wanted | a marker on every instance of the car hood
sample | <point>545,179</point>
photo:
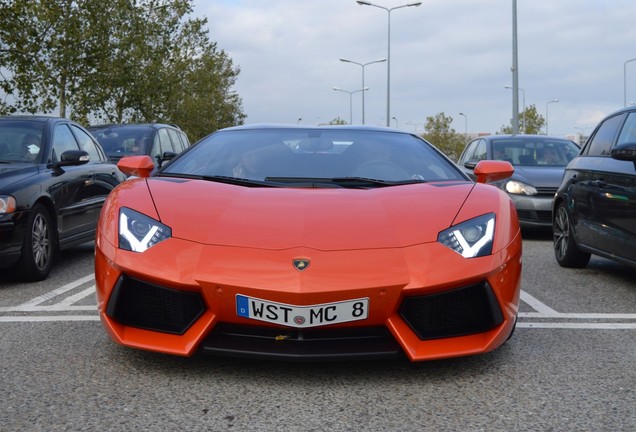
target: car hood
<point>324,219</point>
<point>539,176</point>
<point>13,173</point>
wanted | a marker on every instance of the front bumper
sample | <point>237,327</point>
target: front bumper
<point>533,211</point>
<point>407,288</point>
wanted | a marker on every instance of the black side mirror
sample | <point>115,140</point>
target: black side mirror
<point>625,152</point>
<point>168,155</point>
<point>71,158</point>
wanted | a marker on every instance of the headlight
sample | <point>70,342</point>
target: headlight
<point>138,232</point>
<point>472,238</point>
<point>7,204</point>
<point>519,188</point>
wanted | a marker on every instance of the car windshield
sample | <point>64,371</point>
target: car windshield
<point>120,141</point>
<point>539,151</point>
<point>319,157</point>
<point>20,141</point>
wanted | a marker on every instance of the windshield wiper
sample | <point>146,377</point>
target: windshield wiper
<point>349,182</point>
<point>221,179</point>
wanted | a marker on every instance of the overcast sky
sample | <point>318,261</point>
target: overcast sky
<point>447,56</point>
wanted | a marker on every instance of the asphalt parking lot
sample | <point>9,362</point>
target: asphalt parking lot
<point>569,366</point>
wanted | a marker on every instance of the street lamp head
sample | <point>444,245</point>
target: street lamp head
<point>412,4</point>
<point>382,60</point>
<point>336,88</point>
<point>363,3</point>
<point>345,60</point>
<point>507,86</point>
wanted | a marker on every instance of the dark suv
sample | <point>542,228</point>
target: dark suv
<point>594,210</point>
<point>160,141</point>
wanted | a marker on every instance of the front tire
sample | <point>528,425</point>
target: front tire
<point>39,246</point>
<point>565,249</point>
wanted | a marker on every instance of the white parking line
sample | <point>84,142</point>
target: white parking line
<point>47,309</point>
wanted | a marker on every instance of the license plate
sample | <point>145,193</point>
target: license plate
<point>302,316</point>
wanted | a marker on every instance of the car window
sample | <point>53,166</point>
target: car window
<point>311,154</point>
<point>165,141</point>
<point>63,140</point>
<point>468,151</point>
<point>20,141</point>
<point>628,133</point>
<point>601,142</point>
<point>481,151</point>
<point>87,144</point>
<point>176,140</point>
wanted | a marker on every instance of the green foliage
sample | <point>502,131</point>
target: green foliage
<point>338,121</point>
<point>116,61</point>
<point>440,133</point>
<point>530,122</point>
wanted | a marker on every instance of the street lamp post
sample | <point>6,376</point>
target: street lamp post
<point>363,65</point>
<point>625,81</point>
<point>546,113</point>
<point>465,126</point>
<point>523,114</point>
<point>388,56</point>
<point>351,99</point>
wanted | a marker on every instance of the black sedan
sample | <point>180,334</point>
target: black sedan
<point>54,178</point>
<point>539,162</point>
<point>595,206</point>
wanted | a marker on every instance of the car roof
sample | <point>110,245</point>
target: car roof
<point>127,125</point>
<point>26,117</point>
<point>263,126</point>
<point>528,137</point>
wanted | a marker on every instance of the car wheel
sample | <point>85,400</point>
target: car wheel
<point>39,246</point>
<point>565,250</point>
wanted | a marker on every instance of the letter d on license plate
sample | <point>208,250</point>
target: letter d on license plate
<point>302,316</point>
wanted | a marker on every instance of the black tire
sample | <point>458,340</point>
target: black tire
<point>38,249</point>
<point>565,249</point>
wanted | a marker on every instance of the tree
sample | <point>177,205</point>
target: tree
<point>338,121</point>
<point>116,61</point>
<point>440,133</point>
<point>531,122</point>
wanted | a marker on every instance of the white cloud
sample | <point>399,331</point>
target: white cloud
<point>446,56</point>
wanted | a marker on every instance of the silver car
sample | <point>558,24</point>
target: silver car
<point>539,162</point>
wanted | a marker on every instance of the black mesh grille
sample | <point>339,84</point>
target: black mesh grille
<point>354,343</point>
<point>139,304</point>
<point>534,215</point>
<point>469,310</point>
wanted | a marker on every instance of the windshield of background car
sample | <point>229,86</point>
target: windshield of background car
<point>120,141</point>
<point>289,154</point>
<point>526,152</point>
<point>20,141</point>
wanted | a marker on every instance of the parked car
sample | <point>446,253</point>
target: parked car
<point>539,162</point>
<point>54,178</point>
<point>160,141</point>
<point>595,206</point>
<point>309,243</point>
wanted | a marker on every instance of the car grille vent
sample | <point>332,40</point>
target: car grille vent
<point>546,191</point>
<point>469,310</point>
<point>139,304</point>
<point>290,344</point>
<point>535,215</point>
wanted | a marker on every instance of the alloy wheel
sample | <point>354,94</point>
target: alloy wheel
<point>41,242</point>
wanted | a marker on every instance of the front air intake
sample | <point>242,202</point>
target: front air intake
<point>151,307</point>
<point>459,312</point>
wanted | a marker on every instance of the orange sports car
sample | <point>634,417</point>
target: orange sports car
<point>309,243</point>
